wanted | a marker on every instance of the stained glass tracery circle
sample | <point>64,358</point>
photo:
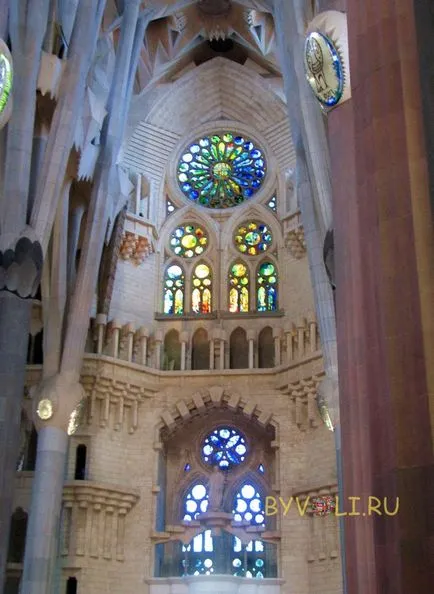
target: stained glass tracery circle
<point>188,241</point>
<point>253,238</point>
<point>224,447</point>
<point>221,171</point>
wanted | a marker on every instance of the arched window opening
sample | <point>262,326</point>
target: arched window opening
<point>239,349</point>
<point>195,502</point>
<point>239,288</point>
<point>172,351</point>
<point>174,286</point>
<point>71,585</point>
<point>266,348</point>
<point>249,506</point>
<point>80,462</point>
<point>266,287</point>
<point>17,536</point>
<point>200,350</point>
<point>201,295</point>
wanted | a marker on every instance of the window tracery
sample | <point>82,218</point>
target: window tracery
<point>187,241</point>
<point>266,287</point>
<point>253,238</point>
<point>201,296</point>
<point>225,447</point>
<point>174,286</point>
<point>239,288</point>
<point>221,171</point>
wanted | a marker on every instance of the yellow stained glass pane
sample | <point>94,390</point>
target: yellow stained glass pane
<point>239,270</point>
<point>202,271</point>
<point>189,241</point>
<point>244,299</point>
<point>206,301</point>
<point>195,300</point>
<point>233,300</point>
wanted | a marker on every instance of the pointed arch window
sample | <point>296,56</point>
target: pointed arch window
<point>201,296</point>
<point>239,288</point>
<point>174,286</point>
<point>266,287</point>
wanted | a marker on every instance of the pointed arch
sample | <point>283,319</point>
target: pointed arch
<point>266,348</point>
<point>172,351</point>
<point>239,287</point>
<point>200,351</point>
<point>174,288</point>
<point>267,283</point>
<point>239,349</point>
<point>201,288</point>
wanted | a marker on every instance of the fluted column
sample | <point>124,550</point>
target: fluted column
<point>277,336</point>
<point>251,340</point>
<point>158,340</point>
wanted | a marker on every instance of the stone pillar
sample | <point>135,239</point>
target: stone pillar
<point>158,338</point>
<point>44,520</point>
<point>183,337</point>
<point>289,344</point>
<point>101,323</point>
<point>277,335</point>
<point>129,331</point>
<point>143,336</point>
<point>384,295</point>
<point>211,354</point>
<point>300,339</point>
<point>251,340</point>
<point>74,226</point>
<point>115,327</point>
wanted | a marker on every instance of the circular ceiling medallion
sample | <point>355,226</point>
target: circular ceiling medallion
<point>6,81</point>
<point>324,69</point>
<point>45,409</point>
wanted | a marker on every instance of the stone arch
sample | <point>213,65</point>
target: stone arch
<point>172,351</point>
<point>239,349</point>
<point>200,349</point>
<point>266,348</point>
<point>17,536</point>
<point>204,400</point>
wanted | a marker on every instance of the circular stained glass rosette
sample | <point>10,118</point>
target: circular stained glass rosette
<point>188,241</point>
<point>324,70</point>
<point>224,447</point>
<point>221,171</point>
<point>253,238</point>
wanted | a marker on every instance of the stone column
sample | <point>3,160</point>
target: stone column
<point>101,323</point>
<point>44,524</point>
<point>251,340</point>
<point>74,226</point>
<point>313,171</point>
<point>183,337</point>
<point>158,339</point>
<point>211,353</point>
<point>143,336</point>
<point>289,344</point>
<point>384,296</point>
<point>277,336</point>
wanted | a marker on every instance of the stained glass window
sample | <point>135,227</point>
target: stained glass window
<point>174,290</point>
<point>188,241</point>
<point>239,288</point>
<point>199,555</point>
<point>250,560</point>
<point>225,447</point>
<point>266,287</point>
<point>272,204</point>
<point>202,287</point>
<point>253,238</point>
<point>221,171</point>
<point>170,207</point>
<point>249,506</point>
<point>195,502</point>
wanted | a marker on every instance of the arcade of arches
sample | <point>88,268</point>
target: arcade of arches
<point>216,289</point>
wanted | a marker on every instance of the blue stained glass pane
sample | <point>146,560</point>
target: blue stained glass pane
<point>228,448</point>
